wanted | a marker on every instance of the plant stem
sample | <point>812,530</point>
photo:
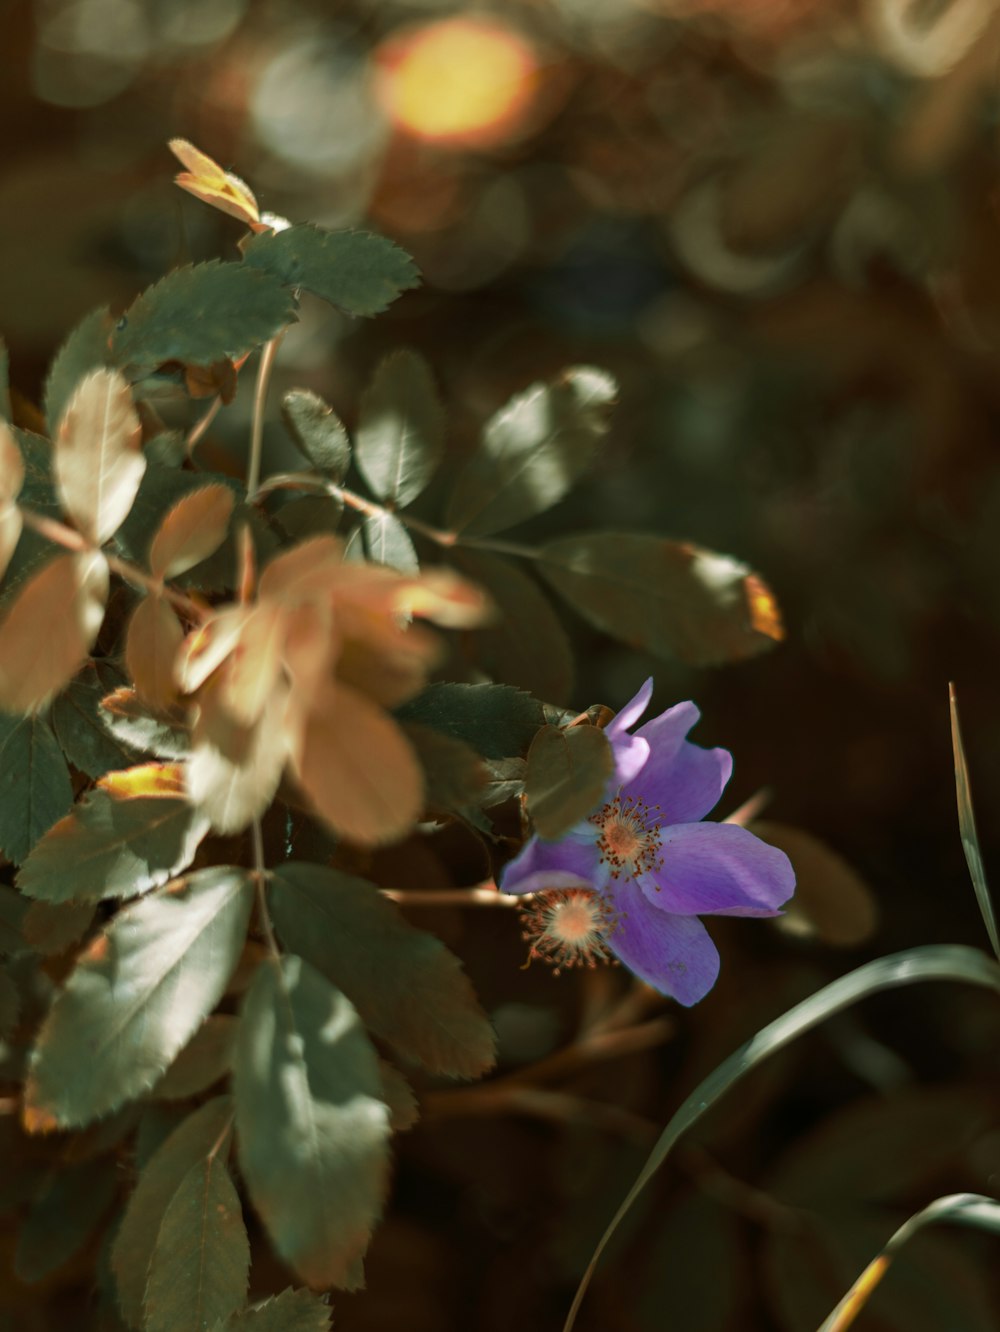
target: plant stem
<point>267,359</point>
<point>464,897</point>
<point>198,429</point>
<point>260,879</point>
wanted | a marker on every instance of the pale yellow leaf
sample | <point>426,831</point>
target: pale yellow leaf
<point>447,599</point>
<point>191,531</point>
<point>154,638</point>
<point>252,670</point>
<point>208,646</point>
<point>234,771</point>
<point>97,459</point>
<point>47,633</point>
<point>207,181</point>
<point>11,465</point>
<point>358,769</point>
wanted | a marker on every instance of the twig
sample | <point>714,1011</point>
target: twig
<point>267,359</point>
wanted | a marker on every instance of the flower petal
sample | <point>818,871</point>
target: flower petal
<point>719,869</point>
<point>631,753</point>
<point>631,712</point>
<point>685,782</point>
<point>674,954</point>
<point>568,863</point>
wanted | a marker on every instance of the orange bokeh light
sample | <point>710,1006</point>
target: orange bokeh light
<point>464,81</point>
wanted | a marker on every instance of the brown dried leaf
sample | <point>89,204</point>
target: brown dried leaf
<point>192,530</point>
<point>234,770</point>
<point>98,461</point>
<point>151,646</point>
<point>358,769</point>
<point>47,634</point>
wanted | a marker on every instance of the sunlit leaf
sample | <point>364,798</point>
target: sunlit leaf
<point>358,769</point>
<point>203,1061</point>
<point>567,773</point>
<point>131,722</point>
<point>11,480</point>
<point>152,642</point>
<point>192,530</point>
<point>357,271</point>
<point>35,787</point>
<point>233,771</point>
<point>77,720</point>
<point>62,1218</point>
<point>312,1129</point>
<point>113,847</point>
<point>532,451</point>
<point>946,962</point>
<point>201,1133</point>
<point>388,542</point>
<point>291,1311</point>
<point>665,597</point>
<point>967,828</point>
<point>200,314</point>
<point>98,461</point>
<point>47,633</point>
<point>136,997</point>
<point>409,989</point>
<point>498,721</point>
<point>318,431</point>
<point>52,927</point>
<point>200,1266</point>
<point>400,434</point>
<point>831,901</point>
<point>527,646</point>
<point>85,349</point>
<point>206,180</point>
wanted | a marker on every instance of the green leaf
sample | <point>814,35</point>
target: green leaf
<point>84,350</point>
<point>50,928</point>
<point>63,1217</point>
<point>192,1142</point>
<point>946,962</point>
<point>35,788</point>
<point>527,646</point>
<point>454,773</point>
<point>357,271</point>
<point>498,721</point>
<point>967,828</point>
<point>318,431</point>
<point>291,1311</point>
<point>308,516</point>
<point>409,989</point>
<point>113,846</point>
<point>666,597</point>
<point>400,436</point>
<point>136,997</point>
<point>312,1129</point>
<point>567,774</point>
<point>388,542</point>
<point>130,722</point>
<point>532,451</point>
<point>201,314</point>
<point>200,1267</point>
<point>78,722</point>
<point>12,909</point>
<point>204,1060</point>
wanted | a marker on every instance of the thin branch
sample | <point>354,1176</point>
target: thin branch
<point>267,359</point>
<point>260,879</point>
<point>487,896</point>
<point>200,426</point>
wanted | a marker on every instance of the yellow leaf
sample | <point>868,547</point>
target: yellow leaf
<point>154,638</point>
<point>97,459</point>
<point>192,530</point>
<point>48,631</point>
<point>207,181</point>
<point>358,769</point>
<point>208,646</point>
<point>148,779</point>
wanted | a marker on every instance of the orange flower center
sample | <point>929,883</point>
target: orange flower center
<point>628,836</point>
<point>568,927</point>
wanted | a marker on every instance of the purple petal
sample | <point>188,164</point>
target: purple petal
<point>672,953</point>
<point>631,753</point>
<point>569,863</point>
<point>685,781</point>
<point>631,712</point>
<point>719,869</point>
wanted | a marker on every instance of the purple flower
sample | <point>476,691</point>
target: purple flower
<point>634,876</point>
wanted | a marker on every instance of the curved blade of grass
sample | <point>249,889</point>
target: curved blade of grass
<point>937,962</point>
<point>967,827</point>
<point>970,1209</point>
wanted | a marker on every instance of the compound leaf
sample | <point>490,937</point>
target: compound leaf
<point>312,1129</point>
<point>357,271</point>
<point>135,998</point>
<point>409,989</point>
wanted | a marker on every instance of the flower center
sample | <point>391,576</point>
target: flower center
<point>568,927</point>
<point>628,836</point>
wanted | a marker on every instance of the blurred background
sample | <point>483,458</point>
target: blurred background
<point>777,222</point>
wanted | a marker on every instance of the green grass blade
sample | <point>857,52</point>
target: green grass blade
<point>970,1209</point>
<point>938,962</point>
<point>967,827</point>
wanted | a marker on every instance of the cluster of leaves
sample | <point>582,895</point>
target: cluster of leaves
<point>159,694</point>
